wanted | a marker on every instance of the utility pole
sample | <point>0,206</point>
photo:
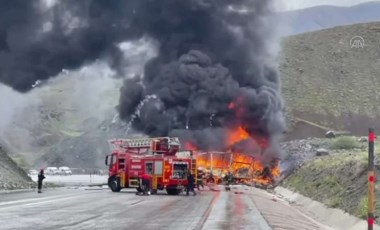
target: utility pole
<point>371,178</point>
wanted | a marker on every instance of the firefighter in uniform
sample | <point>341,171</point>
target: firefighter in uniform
<point>41,177</point>
<point>229,178</point>
<point>145,183</point>
<point>190,184</point>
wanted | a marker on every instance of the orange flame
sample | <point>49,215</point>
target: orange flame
<point>237,135</point>
<point>237,162</point>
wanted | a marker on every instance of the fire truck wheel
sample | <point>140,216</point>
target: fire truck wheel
<point>114,184</point>
<point>173,191</point>
<point>154,191</point>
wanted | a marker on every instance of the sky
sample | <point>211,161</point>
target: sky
<point>299,4</point>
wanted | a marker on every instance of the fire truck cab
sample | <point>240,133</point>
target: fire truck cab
<point>159,157</point>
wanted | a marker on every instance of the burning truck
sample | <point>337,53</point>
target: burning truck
<point>246,167</point>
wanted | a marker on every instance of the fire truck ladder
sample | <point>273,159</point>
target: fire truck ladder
<point>131,143</point>
<point>194,169</point>
<point>140,143</point>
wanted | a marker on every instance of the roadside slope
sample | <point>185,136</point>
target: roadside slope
<point>11,175</point>
<point>339,180</point>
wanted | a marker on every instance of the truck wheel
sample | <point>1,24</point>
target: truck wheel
<point>154,191</point>
<point>114,184</point>
<point>173,191</point>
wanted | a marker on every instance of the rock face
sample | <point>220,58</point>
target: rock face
<point>330,134</point>
<point>11,175</point>
<point>322,152</point>
<point>363,139</point>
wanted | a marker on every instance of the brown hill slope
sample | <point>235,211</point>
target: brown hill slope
<point>330,83</point>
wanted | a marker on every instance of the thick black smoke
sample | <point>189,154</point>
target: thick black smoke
<point>213,70</point>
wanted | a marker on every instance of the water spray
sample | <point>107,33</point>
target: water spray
<point>137,111</point>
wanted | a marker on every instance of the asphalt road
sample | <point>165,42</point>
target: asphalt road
<point>89,208</point>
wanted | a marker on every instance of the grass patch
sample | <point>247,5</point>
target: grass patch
<point>338,180</point>
<point>22,162</point>
<point>335,202</point>
<point>363,207</point>
<point>345,142</point>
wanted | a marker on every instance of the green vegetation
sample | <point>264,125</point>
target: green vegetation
<point>22,162</point>
<point>345,142</point>
<point>338,180</point>
<point>363,208</point>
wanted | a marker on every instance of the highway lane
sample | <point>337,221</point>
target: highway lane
<point>101,209</point>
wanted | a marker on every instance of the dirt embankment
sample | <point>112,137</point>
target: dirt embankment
<point>337,177</point>
<point>11,175</point>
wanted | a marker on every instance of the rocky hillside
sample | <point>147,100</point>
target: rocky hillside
<point>12,176</point>
<point>67,122</point>
<point>335,173</point>
<point>329,84</point>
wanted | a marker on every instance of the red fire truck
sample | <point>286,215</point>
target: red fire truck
<point>160,157</point>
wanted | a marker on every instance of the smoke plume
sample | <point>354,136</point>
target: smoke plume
<point>214,71</point>
<point>214,67</point>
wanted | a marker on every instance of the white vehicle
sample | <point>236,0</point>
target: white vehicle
<point>51,171</point>
<point>33,172</point>
<point>65,171</point>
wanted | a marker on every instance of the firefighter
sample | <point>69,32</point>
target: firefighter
<point>190,184</point>
<point>200,179</point>
<point>145,181</point>
<point>210,178</point>
<point>229,178</point>
<point>41,177</point>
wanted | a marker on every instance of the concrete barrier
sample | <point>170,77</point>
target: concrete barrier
<point>331,217</point>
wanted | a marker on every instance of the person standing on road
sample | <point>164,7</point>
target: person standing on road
<point>41,177</point>
<point>190,184</point>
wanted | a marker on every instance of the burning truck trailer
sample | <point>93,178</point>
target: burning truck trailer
<point>243,157</point>
<point>159,157</point>
<point>245,168</point>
